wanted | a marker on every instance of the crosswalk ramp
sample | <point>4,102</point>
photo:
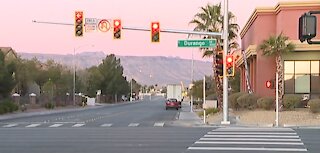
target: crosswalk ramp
<point>77,125</point>
<point>250,140</point>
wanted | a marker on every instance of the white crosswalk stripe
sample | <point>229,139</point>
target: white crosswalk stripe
<point>106,125</point>
<point>133,124</point>
<point>9,125</point>
<point>78,125</point>
<point>250,140</point>
<point>55,125</point>
<point>159,124</point>
<point>32,125</point>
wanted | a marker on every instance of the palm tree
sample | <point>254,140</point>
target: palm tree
<point>277,46</point>
<point>210,19</point>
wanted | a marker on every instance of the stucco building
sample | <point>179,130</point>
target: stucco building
<point>301,67</point>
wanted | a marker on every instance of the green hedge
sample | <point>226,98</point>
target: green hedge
<point>314,105</point>
<point>291,101</point>
<point>7,106</point>
<point>266,103</point>
<point>233,103</point>
<point>247,101</point>
<point>49,106</point>
<point>209,111</point>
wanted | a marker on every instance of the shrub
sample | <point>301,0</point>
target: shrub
<point>247,101</point>
<point>314,105</point>
<point>209,111</point>
<point>7,106</point>
<point>265,103</point>
<point>49,106</point>
<point>291,101</point>
<point>233,100</point>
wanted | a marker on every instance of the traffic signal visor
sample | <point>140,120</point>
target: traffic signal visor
<point>117,29</point>
<point>155,32</point>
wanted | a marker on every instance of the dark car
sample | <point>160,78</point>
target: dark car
<point>172,103</point>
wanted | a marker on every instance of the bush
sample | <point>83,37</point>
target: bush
<point>247,101</point>
<point>7,106</point>
<point>209,111</point>
<point>233,100</point>
<point>49,106</point>
<point>266,103</point>
<point>314,105</point>
<point>291,101</point>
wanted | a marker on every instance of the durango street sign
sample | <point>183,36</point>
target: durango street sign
<point>198,43</point>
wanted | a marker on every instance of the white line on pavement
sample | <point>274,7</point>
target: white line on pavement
<point>252,129</point>
<point>248,139</point>
<point>9,125</point>
<point>251,143</point>
<point>133,124</point>
<point>249,149</point>
<point>78,125</point>
<point>55,125</point>
<point>251,136</point>
<point>106,125</point>
<point>159,124</point>
<point>32,125</point>
<point>266,133</point>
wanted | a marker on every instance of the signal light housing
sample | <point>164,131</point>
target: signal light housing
<point>229,65</point>
<point>219,64</point>
<point>155,32</point>
<point>78,24</point>
<point>117,29</point>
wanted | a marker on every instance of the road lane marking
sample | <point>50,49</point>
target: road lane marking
<point>251,143</point>
<point>249,149</point>
<point>9,125</point>
<point>253,129</point>
<point>133,124</point>
<point>249,139</point>
<point>78,125</point>
<point>106,125</point>
<point>250,133</point>
<point>32,125</point>
<point>251,136</point>
<point>55,125</point>
<point>159,124</point>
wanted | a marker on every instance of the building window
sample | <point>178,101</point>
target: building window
<point>302,77</point>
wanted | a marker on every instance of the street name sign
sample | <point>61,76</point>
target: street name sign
<point>197,43</point>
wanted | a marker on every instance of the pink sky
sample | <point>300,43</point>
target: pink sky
<point>18,31</point>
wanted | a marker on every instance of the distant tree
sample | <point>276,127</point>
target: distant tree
<point>235,82</point>
<point>7,76</point>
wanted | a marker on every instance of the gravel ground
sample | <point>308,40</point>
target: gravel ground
<point>298,117</point>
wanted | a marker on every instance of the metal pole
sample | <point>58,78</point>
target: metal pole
<point>225,51</point>
<point>204,99</point>
<point>277,101</point>
<point>191,105</point>
<point>74,77</point>
<point>131,90</point>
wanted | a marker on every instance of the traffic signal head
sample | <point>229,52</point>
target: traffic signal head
<point>307,27</point>
<point>155,32</point>
<point>117,29</point>
<point>219,64</point>
<point>78,25</point>
<point>229,65</point>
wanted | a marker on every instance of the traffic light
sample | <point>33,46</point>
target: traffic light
<point>155,32</point>
<point>230,65</point>
<point>117,29</point>
<point>307,27</point>
<point>270,84</point>
<point>219,64</point>
<point>78,25</point>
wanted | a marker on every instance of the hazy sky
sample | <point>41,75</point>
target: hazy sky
<point>18,31</point>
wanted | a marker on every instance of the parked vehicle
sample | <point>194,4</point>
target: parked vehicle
<point>172,103</point>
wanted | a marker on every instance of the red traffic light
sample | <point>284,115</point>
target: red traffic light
<point>268,84</point>
<point>78,25</point>
<point>155,32</point>
<point>117,29</point>
<point>229,65</point>
<point>229,59</point>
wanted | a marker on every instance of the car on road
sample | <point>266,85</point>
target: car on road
<point>172,103</point>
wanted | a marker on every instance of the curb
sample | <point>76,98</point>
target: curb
<point>294,126</point>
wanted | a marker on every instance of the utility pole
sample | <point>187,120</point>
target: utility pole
<point>204,99</point>
<point>225,51</point>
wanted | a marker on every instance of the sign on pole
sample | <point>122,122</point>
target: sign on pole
<point>104,25</point>
<point>210,43</point>
<point>91,24</point>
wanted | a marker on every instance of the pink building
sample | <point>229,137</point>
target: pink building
<point>301,67</point>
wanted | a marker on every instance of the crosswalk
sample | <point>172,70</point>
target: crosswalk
<point>76,125</point>
<point>237,139</point>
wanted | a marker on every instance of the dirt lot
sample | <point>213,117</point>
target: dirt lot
<point>298,117</point>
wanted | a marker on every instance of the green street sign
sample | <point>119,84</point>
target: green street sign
<point>197,43</point>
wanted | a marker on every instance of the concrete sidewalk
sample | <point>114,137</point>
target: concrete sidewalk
<point>187,118</point>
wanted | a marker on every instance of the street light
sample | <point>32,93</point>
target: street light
<point>74,72</point>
